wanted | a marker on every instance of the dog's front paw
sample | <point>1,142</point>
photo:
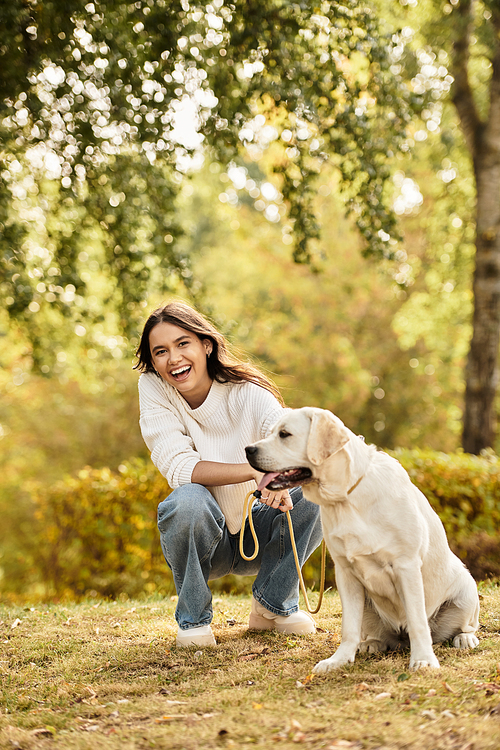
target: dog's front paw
<point>426,661</point>
<point>334,662</point>
<point>465,640</point>
<point>327,665</point>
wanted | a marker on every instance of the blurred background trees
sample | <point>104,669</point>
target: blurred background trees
<point>105,106</point>
<point>152,149</point>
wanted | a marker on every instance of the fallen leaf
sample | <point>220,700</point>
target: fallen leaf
<point>447,687</point>
<point>166,719</point>
<point>280,736</point>
<point>101,669</point>
<point>361,687</point>
<point>16,622</point>
<point>309,678</point>
<point>250,655</point>
<point>429,714</point>
<point>431,692</point>
<point>489,687</point>
<point>380,696</point>
<point>448,714</point>
<point>257,706</point>
<point>44,732</point>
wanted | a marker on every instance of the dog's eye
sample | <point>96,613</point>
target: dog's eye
<point>284,434</point>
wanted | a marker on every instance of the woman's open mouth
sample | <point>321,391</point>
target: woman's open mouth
<point>282,480</point>
<point>181,373</point>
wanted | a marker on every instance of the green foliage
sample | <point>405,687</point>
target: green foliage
<point>104,105</point>
<point>96,532</point>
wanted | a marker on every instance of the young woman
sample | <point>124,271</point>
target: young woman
<point>199,408</point>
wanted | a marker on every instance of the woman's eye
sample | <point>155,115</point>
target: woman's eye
<point>284,434</point>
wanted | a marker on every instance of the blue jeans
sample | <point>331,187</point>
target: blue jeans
<point>197,547</point>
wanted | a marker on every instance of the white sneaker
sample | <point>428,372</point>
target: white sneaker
<point>298,623</point>
<point>200,636</point>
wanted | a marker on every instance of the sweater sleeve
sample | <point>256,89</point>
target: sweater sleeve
<point>172,449</point>
<point>265,407</point>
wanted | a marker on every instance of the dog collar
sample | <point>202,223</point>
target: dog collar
<point>355,485</point>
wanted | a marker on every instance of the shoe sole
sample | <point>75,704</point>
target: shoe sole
<point>204,641</point>
<point>257,622</point>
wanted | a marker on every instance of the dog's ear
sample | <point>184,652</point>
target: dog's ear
<point>326,437</point>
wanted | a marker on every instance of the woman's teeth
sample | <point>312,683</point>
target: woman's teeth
<point>181,371</point>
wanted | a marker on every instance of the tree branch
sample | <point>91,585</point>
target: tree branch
<point>462,95</point>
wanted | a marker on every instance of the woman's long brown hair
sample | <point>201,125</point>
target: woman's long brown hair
<point>222,365</point>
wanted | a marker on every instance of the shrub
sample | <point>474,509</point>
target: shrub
<point>96,532</point>
<point>464,490</point>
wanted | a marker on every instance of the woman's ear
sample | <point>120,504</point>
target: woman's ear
<point>208,346</point>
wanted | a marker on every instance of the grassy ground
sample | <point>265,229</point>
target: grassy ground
<point>107,675</point>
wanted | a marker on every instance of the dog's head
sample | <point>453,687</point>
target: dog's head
<point>300,442</point>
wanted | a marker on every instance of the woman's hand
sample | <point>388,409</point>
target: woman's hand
<point>280,499</point>
<point>275,499</point>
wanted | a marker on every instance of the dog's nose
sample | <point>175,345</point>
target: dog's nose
<point>251,450</point>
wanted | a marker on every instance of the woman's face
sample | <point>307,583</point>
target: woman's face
<point>180,357</point>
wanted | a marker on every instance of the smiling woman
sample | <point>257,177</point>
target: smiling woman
<point>200,408</point>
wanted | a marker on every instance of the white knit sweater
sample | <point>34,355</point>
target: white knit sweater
<point>232,416</point>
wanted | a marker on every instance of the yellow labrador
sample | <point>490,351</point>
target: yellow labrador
<point>397,577</point>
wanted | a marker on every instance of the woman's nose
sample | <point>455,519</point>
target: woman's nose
<point>174,357</point>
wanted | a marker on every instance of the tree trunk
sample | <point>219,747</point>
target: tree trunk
<point>482,137</point>
<point>479,426</point>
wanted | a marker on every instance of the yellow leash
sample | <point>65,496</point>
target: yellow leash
<point>247,511</point>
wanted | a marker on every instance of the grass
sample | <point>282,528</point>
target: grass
<point>107,675</point>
